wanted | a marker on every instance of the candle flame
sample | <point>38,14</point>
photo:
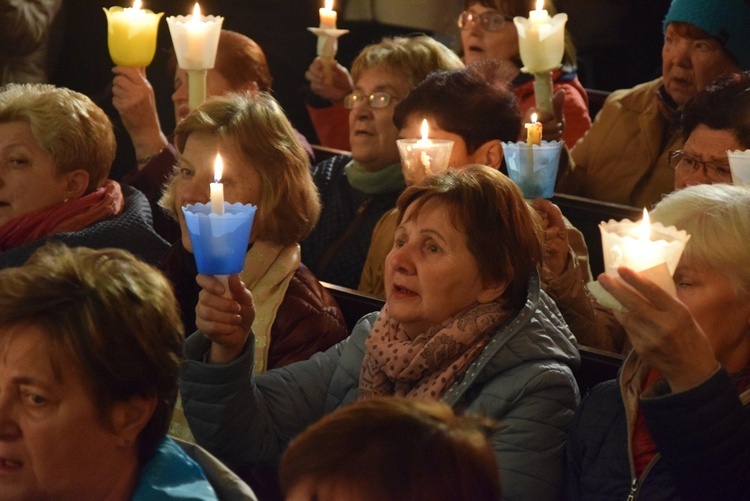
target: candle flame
<point>425,130</point>
<point>329,5</point>
<point>534,117</point>
<point>645,226</point>
<point>197,12</point>
<point>137,4</point>
<point>218,168</point>
<point>539,4</point>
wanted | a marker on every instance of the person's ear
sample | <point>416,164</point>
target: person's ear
<point>492,291</point>
<point>130,417</point>
<point>75,184</point>
<point>490,154</point>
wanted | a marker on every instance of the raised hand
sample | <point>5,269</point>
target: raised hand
<point>226,321</point>
<point>334,89</point>
<point>662,330</point>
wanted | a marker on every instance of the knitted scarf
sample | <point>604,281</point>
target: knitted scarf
<point>74,215</point>
<point>387,180</point>
<point>428,365</point>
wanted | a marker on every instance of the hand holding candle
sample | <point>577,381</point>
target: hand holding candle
<point>217,189</point>
<point>131,35</point>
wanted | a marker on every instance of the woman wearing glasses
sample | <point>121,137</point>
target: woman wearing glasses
<point>488,32</point>
<point>357,190</point>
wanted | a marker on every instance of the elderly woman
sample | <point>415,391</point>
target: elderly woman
<point>488,32</point>
<point>359,189</point>
<point>625,156</point>
<point>677,424</point>
<point>87,385</point>
<point>266,166</point>
<point>393,448</point>
<point>464,322</point>
<point>56,148</point>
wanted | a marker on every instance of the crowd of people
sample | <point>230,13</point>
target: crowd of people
<point>127,372</point>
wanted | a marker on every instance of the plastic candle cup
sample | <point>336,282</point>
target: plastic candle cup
<point>131,35</point>
<point>533,167</point>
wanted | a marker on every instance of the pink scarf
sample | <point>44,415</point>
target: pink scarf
<point>426,366</point>
<point>104,203</point>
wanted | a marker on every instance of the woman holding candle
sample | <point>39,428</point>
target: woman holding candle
<point>56,149</point>
<point>263,165</point>
<point>488,32</point>
<point>625,156</point>
<point>677,424</point>
<point>464,322</point>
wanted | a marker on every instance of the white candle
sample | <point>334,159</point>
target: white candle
<point>426,145</point>
<point>541,39</point>
<point>327,15</point>
<point>533,131</point>
<point>195,38</point>
<point>539,15</point>
<point>217,189</point>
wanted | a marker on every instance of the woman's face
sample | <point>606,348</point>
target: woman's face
<point>479,44</point>
<point>53,444</point>
<point>689,65</point>
<point>28,177</point>
<point>372,134</point>
<point>430,274</point>
<point>216,85</point>
<point>195,172</point>
<point>706,145</point>
<point>723,316</point>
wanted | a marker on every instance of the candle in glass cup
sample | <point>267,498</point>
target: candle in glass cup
<point>217,189</point>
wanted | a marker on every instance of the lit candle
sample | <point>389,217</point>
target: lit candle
<point>327,15</point>
<point>541,39</point>
<point>195,38</point>
<point>217,189</point>
<point>533,131</point>
<point>131,35</point>
<point>539,15</point>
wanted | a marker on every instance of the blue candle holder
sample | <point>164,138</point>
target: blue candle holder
<point>219,240</point>
<point>533,168</point>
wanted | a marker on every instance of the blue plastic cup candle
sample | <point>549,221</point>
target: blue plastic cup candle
<point>219,240</point>
<point>533,167</point>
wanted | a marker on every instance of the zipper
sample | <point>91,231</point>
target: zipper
<point>634,485</point>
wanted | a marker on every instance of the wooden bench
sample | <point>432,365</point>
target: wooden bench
<point>596,365</point>
<point>586,214</point>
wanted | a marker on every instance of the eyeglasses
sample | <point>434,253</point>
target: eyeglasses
<point>716,172</point>
<point>375,100</point>
<point>489,21</point>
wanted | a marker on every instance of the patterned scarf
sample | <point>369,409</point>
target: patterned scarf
<point>75,215</point>
<point>428,365</point>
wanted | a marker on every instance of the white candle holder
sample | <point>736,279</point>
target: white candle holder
<point>533,167</point>
<point>541,45</point>
<point>739,163</point>
<point>655,255</point>
<point>131,35</point>
<point>328,45</point>
<point>421,158</point>
<point>195,44</point>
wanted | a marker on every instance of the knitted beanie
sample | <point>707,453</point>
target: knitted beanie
<point>726,20</point>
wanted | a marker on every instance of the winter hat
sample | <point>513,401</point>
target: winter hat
<point>726,20</point>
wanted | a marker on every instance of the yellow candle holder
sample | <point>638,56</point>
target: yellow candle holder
<point>131,35</point>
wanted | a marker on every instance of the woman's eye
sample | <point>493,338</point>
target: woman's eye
<point>433,249</point>
<point>34,399</point>
<point>398,243</point>
<point>185,172</point>
<point>18,162</point>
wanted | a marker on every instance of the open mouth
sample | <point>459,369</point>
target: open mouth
<point>403,291</point>
<point>9,464</point>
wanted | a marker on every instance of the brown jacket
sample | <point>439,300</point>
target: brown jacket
<point>623,157</point>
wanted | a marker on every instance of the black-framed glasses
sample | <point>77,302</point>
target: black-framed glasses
<point>491,20</point>
<point>375,100</point>
<point>715,171</point>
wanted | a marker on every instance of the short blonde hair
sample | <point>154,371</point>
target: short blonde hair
<point>256,124</point>
<point>411,57</point>
<point>114,317</point>
<point>68,126</point>
<point>717,218</point>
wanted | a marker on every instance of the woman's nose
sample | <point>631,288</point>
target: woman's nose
<point>400,258</point>
<point>681,53</point>
<point>9,429</point>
